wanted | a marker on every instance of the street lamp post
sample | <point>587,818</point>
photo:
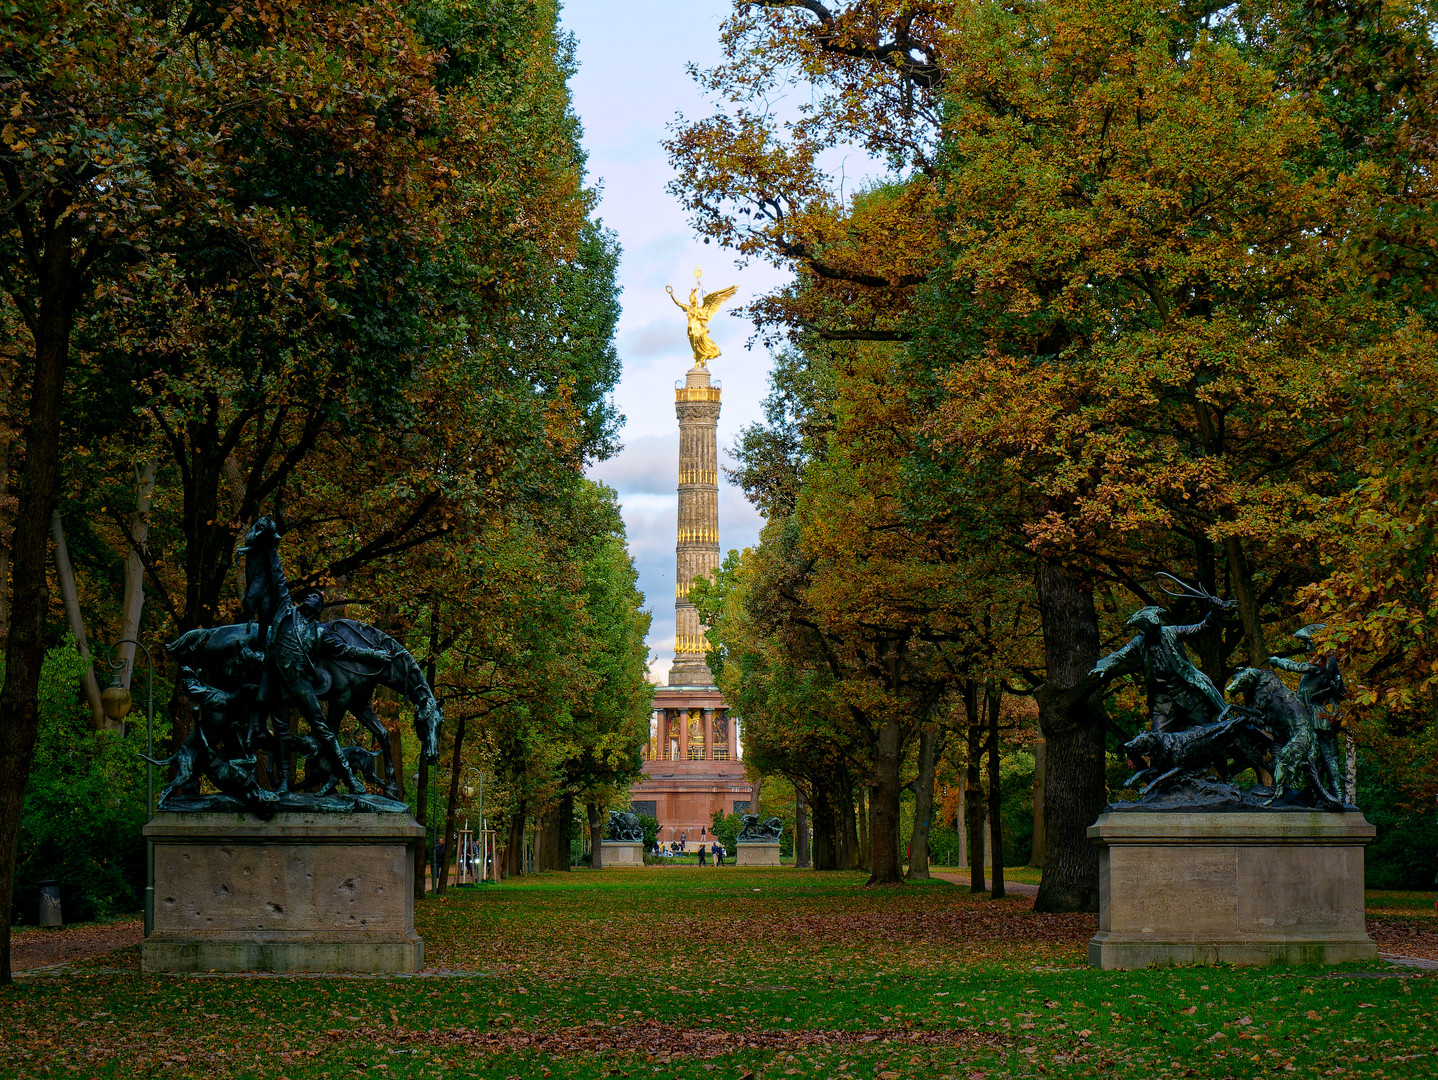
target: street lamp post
<point>115,701</point>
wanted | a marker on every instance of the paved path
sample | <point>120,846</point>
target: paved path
<point>36,948</point>
<point>1011,888</point>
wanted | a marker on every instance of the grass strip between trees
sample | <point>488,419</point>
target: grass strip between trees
<point>728,973</point>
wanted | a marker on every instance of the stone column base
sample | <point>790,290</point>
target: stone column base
<point>621,853</point>
<point>1230,888</point>
<point>756,853</point>
<point>300,892</point>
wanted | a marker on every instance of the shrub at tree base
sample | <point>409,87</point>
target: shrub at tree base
<point>84,806</point>
<point>725,828</point>
<point>651,829</point>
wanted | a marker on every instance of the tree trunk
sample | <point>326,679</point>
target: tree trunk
<point>566,833</point>
<point>861,824</point>
<point>6,528</point>
<point>1073,728</point>
<point>514,845</point>
<point>884,865</point>
<point>801,830</point>
<point>996,823</point>
<point>421,783</point>
<point>961,819</point>
<point>974,786</point>
<point>552,849</point>
<point>1036,852</point>
<point>825,852</point>
<point>396,755</point>
<point>596,837</point>
<point>1241,578</point>
<point>930,746</point>
<point>65,575</point>
<point>29,593</point>
<point>134,582</point>
<point>847,857</point>
<point>451,837</point>
<point>1208,645</point>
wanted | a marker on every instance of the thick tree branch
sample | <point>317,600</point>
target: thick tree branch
<point>394,539</point>
<point>801,252</point>
<point>899,53</point>
<point>858,335</point>
<point>143,553</point>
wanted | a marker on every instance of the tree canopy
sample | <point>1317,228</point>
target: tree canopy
<point>337,264</point>
<point>1156,282</point>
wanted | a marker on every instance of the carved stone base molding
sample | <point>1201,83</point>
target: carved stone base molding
<point>1230,888</point>
<point>299,892</point>
<point>622,853</point>
<point>755,853</point>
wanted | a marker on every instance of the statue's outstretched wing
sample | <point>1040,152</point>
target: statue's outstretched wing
<point>714,299</point>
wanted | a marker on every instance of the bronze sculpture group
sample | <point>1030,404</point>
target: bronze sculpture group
<point>246,679</point>
<point>1198,740</point>
<point>752,830</point>
<point>624,827</point>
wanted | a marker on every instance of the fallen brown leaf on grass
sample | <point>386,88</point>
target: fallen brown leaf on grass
<point>657,1040</point>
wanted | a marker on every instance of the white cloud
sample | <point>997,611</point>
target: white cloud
<point>658,338</point>
<point>647,465</point>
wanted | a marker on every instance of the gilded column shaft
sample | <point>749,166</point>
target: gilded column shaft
<point>697,543</point>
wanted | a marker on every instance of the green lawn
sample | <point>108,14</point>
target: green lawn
<point>709,973</point>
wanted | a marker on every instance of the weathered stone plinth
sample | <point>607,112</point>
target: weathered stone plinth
<point>621,853</point>
<point>756,853</point>
<point>300,892</point>
<point>1234,888</point>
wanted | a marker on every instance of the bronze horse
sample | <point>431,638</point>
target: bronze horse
<point>287,659</point>
<point>344,686</point>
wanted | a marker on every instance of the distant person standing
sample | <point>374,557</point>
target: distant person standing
<point>702,852</point>
<point>718,853</point>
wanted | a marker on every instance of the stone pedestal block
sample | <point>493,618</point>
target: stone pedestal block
<point>1233,888</point>
<point>621,853</point>
<point>756,853</point>
<point>300,892</point>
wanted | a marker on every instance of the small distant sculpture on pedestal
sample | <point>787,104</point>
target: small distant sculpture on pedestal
<point>623,843</point>
<point>752,831</point>
<point>758,842</point>
<point>624,828</point>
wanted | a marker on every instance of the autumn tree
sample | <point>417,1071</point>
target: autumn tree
<point>334,265</point>
<point>109,146</point>
<point>779,672</point>
<point>1150,255</point>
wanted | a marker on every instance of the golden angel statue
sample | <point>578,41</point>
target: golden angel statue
<point>700,311</point>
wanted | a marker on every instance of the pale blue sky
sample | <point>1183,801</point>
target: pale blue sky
<point>630,84</point>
